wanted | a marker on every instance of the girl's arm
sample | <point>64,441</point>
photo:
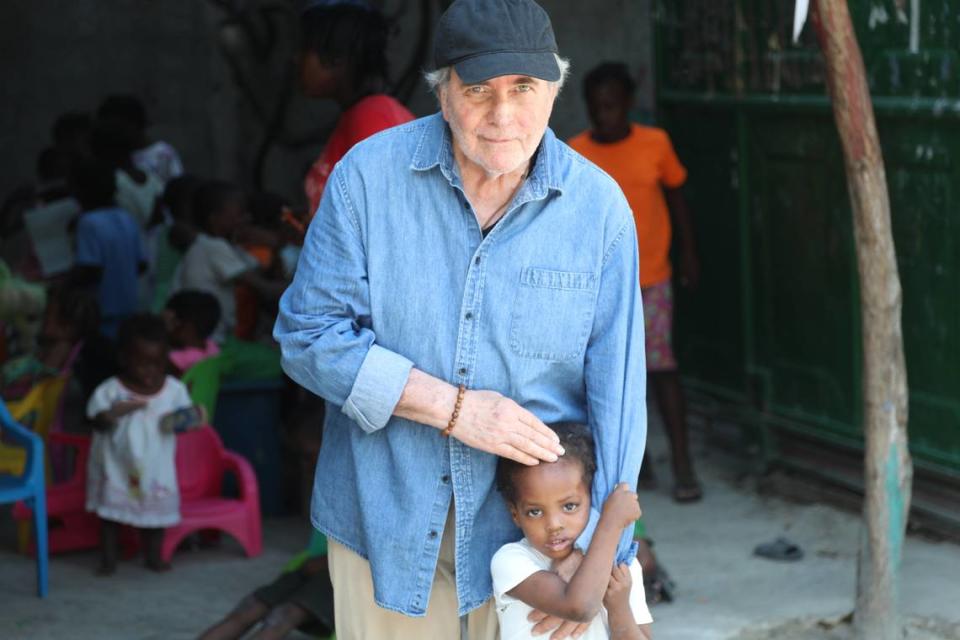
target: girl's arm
<point>107,419</point>
<point>580,599</point>
<point>623,625</point>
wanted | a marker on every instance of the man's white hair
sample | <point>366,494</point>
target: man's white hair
<point>439,78</point>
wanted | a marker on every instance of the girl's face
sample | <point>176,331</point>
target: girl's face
<point>552,507</point>
<point>144,366</point>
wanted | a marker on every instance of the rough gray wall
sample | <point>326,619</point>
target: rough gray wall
<point>57,55</point>
<point>598,31</point>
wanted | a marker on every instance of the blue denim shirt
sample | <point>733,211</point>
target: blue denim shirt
<point>395,274</point>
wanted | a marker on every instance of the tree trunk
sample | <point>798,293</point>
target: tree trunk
<point>887,467</point>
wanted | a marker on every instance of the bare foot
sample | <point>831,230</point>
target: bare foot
<point>687,489</point>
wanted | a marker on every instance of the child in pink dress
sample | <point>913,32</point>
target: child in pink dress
<point>191,317</point>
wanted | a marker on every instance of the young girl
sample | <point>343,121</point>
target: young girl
<point>214,263</point>
<point>131,475</point>
<point>550,502</point>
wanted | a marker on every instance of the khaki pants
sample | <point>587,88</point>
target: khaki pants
<point>357,617</point>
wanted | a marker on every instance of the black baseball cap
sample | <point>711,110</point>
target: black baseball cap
<point>483,39</point>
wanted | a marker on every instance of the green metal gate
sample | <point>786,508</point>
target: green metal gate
<point>774,327</point>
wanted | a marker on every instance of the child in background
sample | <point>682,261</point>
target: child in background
<point>261,239</point>
<point>138,191</point>
<point>174,237</point>
<point>131,474</point>
<point>70,318</point>
<point>191,318</point>
<point>213,263</point>
<point>642,161</point>
<point>550,502</point>
<point>109,247</point>
<point>156,157</point>
<point>301,598</point>
<point>178,201</point>
<point>343,57</point>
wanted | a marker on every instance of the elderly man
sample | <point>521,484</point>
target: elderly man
<point>467,275</point>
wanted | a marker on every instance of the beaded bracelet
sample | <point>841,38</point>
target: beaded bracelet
<point>456,412</point>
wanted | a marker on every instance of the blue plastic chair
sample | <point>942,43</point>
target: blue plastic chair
<point>29,487</point>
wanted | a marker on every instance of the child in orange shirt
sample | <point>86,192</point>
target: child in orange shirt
<point>644,164</point>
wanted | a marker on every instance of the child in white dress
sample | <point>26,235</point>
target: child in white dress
<point>550,502</point>
<point>131,474</point>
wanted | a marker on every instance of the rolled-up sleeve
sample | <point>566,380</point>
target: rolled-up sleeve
<point>615,375</point>
<point>323,323</point>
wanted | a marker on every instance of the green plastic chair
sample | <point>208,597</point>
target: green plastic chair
<point>203,381</point>
<point>243,361</point>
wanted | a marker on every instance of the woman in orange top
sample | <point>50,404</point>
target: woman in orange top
<point>642,161</point>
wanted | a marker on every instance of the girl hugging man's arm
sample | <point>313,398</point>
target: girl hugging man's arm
<point>550,502</point>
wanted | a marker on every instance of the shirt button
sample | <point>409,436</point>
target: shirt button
<point>468,316</point>
<point>476,260</point>
<point>462,371</point>
<point>445,479</point>
<point>433,534</point>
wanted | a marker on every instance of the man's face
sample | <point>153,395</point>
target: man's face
<point>497,124</point>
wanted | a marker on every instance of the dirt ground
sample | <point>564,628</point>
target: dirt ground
<point>914,629</point>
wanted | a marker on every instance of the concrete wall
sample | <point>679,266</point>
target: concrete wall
<point>592,32</point>
<point>58,55</point>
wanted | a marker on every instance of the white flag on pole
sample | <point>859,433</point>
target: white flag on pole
<point>800,11</point>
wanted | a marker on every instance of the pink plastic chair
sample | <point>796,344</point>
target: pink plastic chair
<point>71,526</point>
<point>201,463</point>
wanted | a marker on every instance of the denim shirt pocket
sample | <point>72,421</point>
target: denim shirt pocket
<point>552,313</point>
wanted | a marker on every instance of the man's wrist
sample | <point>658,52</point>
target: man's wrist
<point>427,400</point>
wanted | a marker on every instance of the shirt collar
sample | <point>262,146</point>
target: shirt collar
<point>435,149</point>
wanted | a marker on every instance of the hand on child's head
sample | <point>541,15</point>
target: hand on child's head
<point>622,505</point>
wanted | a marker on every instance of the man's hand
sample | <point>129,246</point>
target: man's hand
<point>493,423</point>
<point>561,628</point>
<point>487,420</point>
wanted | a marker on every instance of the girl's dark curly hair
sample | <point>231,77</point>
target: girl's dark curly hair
<point>577,443</point>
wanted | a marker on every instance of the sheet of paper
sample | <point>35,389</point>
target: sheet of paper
<point>47,227</point>
<point>800,10</point>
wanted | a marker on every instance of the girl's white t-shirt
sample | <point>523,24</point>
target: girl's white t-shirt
<point>515,562</point>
